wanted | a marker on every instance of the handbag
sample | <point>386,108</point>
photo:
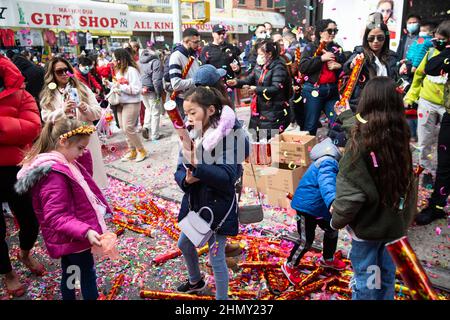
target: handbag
<point>197,229</point>
<point>252,213</point>
<point>113,98</point>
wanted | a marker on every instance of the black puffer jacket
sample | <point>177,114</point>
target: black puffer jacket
<point>33,74</point>
<point>369,71</point>
<point>312,66</point>
<point>272,93</point>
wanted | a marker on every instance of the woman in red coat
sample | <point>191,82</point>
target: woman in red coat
<point>19,126</point>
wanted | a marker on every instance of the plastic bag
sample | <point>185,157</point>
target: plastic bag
<point>108,248</point>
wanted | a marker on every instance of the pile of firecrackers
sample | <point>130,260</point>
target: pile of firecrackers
<point>262,264</point>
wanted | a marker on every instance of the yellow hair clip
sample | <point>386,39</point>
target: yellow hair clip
<point>84,130</point>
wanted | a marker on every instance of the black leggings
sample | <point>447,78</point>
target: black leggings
<point>306,226</point>
<point>22,209</point>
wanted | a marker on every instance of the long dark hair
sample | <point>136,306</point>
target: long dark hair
<point>321,26</point>
<point>384,54</point>
<point>268,46</point>
<point>125,59</point>
<point>386,134</point>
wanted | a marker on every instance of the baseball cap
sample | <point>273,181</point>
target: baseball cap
<point>218,28</point>
<point>208,75</point>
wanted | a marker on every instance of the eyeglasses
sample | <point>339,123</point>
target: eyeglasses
<point>380,38</point>
<point>331,31</point>
<point>60,72</point>
<point>196,41</point>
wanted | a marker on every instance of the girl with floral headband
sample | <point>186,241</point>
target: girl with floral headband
<point>68,203</point>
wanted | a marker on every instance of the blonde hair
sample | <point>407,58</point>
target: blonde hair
<point>50,136</point>
<point>47,95</point>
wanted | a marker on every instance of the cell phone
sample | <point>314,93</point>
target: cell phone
<point>73,94</point>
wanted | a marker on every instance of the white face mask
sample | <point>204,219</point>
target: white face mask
<point>261,36</point>
<point>261,60</point>
<point>423,34</point>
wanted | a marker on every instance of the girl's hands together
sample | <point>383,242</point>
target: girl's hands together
<point>94,238</point>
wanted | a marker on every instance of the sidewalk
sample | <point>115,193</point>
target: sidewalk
<point>431,243</point>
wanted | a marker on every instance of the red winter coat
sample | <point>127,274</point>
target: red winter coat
<point>88,80</point>
<point>20,122</point>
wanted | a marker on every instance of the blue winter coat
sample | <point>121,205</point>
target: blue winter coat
<point>418,49</point>
<point>317,189</point>
<point>216,188</point>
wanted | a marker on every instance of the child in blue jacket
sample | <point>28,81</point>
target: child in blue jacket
<point>312,201</point>
<point>419,48</point>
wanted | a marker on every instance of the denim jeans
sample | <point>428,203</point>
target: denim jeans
<point>216,258</point>
<point>88,279</point>
<point>325,101</point>
<point>374,271</point>
<point>413,127</point>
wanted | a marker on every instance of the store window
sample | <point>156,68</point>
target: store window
<point>220,4</point>
<point>257,3</point>
<point>269,3</point>
<point>241,2</point>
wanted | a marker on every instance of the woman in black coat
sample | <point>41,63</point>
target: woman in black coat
<point>379,60</point>
<point>270,85</point>
<point>321,67</point>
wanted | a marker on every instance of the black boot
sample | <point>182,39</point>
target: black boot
<point>428,215</point>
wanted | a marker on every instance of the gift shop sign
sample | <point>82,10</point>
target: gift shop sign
<point>77,15</point>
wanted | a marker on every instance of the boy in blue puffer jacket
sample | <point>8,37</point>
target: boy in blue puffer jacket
<point>312,201</point>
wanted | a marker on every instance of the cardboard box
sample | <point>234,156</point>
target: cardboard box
<point>292,148</point>
<point>249,180</point>
<point>277,198</point>
<point>283,179</point>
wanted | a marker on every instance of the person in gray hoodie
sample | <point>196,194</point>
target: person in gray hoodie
<point>151,77</point>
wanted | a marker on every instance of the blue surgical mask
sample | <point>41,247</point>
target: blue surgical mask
<point>412,27</point>
<point>424,34</point>
<point>84,70</point>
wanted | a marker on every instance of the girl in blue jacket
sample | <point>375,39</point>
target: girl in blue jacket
<point>312,201</point>
<point>208,176</point>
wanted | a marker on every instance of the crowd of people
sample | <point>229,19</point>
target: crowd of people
<point>293,77</point>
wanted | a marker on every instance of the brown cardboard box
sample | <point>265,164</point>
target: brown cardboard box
<point>282,179</point>
<point>277,198</point>
<point>261,178</point>
<point>292,148</point>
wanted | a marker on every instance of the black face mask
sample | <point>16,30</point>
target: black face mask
<point>439,44</point>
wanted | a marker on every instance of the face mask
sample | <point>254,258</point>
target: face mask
<point>261,60</point>
<point>84,71</point>
<point>423,34</point>
<point>439,44</point>
<point>261,36</point>
<point>412,27</point>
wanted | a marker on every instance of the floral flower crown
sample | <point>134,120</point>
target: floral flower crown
<point>85,130</point>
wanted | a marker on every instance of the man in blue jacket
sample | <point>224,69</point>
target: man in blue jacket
<point>312,201</point>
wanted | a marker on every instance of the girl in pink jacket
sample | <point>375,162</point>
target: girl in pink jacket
<point>68,204</point>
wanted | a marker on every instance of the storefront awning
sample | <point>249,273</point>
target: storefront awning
<point>162,22</point>
<point>253,17</point>
<point>62,14</point>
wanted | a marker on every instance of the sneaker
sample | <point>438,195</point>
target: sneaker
<point>428,215</point>
<point>292,127</point>
<point>130,155</point>
<point>187,287</point>
<point>141,155</point>
<point>145,133</point>
<point>427,181</point>
<point>293,274</point>
<point>336,263</point>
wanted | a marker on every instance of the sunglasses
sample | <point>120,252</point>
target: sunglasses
<point>380,38</point>
<point>60,72</point>
<point>221,33</point>
<point>331,31</point>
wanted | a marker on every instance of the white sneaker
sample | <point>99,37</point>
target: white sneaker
<point>293,127</point>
